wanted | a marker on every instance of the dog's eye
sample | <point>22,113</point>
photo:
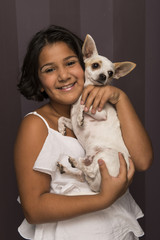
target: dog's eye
<point>110,73</point>
<point>95,65</point>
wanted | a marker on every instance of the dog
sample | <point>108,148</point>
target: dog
<point>99,134</point>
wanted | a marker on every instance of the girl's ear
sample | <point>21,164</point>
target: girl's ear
<point>89,47</point>
<point>123,68</point>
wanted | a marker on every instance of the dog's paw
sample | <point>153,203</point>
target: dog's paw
<point>80,120</point>
<point>80,116</point>
<point>61,126</point>
<point>61,168</point>
<point>62,130</point>
<point>72,162</point>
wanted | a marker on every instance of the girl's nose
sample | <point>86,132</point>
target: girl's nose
<point>63,74</point>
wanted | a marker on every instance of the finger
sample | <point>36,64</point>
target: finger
<point>91,97</point>
<point>103,169</point>
<point>131,170</point>
<point>97,99</point>
<point>104,100</point>
<point>123,165</point>
<point>105,95</point>
<point>85,93</point>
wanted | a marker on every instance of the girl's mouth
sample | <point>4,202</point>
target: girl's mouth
<point>67,87</point>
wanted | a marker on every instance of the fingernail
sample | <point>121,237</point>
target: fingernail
<point>82,102</point>
<point>93,111</point>
<point>100,162</point>
<point>86,109</point>
<point>99,109</point>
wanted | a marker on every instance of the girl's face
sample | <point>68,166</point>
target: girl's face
<point>60,73</point>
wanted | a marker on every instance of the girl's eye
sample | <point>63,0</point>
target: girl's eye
<point>48,70</point>
<point>71,63</point>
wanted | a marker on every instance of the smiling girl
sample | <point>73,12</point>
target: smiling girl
<point>59,207</point>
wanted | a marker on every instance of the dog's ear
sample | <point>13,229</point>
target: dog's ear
<point>123,68</point>
<point>89,47</point>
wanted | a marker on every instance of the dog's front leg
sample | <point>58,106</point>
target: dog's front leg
<point>63,123</point>
<point>80,115</point>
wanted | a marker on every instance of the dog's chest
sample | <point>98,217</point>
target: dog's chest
<point>102,125</point>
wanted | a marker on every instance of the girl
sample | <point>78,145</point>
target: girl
<point>58,207</point>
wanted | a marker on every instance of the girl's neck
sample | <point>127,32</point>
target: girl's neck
<point>60,110</point>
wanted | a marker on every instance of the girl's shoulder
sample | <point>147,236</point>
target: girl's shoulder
<point>38,119</point>
<point>34,122</point>
<point>35,119</point>
<point>33,129</point>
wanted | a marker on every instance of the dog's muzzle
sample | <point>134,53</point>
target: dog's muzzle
<point>102,78</point>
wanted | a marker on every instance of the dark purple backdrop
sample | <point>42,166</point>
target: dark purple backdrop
<point>123,30</point>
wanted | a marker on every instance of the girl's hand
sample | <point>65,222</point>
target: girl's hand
<point>114,187</point>
<point>97,96</point>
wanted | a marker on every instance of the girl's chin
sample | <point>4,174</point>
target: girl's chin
<point>71,101</point>
<point>70,98</point>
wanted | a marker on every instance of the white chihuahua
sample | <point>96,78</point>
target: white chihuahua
<point>99,133</point>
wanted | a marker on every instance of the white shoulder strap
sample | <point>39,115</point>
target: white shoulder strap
<point>37,114</point>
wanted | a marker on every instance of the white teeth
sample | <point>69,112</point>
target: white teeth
<point>68,86</point>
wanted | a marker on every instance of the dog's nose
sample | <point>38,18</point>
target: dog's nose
<point>102,77</point>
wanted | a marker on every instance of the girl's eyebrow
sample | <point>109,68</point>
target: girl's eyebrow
<point>50,64</point>
<point>45,65</point>
<point>74,56</point>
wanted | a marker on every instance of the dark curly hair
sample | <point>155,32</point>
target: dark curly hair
<point>29,84</point>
